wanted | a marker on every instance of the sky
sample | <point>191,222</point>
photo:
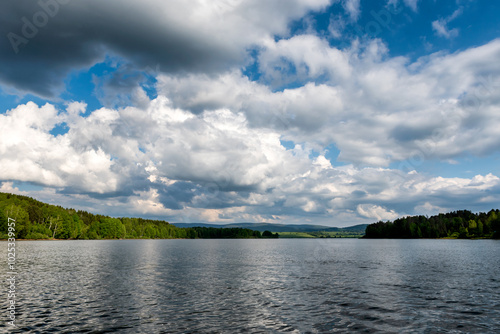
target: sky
<point>328,112</point>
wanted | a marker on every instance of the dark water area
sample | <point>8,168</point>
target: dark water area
<point>256,286</point>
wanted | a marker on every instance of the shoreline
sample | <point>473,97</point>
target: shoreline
<point>146,239</point>
<point>360,238</point>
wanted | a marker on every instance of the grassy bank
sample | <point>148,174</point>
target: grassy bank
<point>320,234</point>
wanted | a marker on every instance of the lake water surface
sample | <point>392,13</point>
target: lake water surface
<point>257,286</point>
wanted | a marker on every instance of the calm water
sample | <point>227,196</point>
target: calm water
<point>257,286</point>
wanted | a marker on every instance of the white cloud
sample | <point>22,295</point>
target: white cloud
<point>375,109</point>
<point>441,25</point>
<point>413,4</point>
<point>353,8</point>
<point>8,187</point>
<point>166,162</point>
<point>30,153</point>
<point>307,56</point>
<point>376,212</point>
<point>429,209</point>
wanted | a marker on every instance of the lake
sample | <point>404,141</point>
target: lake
<point>257,286</point>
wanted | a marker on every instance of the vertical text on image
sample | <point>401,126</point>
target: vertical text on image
<point>11,274</point>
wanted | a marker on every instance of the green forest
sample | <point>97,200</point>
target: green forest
<point>38,220</point>
<point>461,224</point>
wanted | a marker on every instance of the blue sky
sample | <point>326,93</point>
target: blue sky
<point>300,111</point>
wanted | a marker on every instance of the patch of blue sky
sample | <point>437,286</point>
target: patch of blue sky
<point>332,154</point>
<point>407,32</point>
<point>288,144</point>
<point>149,85</point>
<point>80,85</point>
<point>8,102</point>
<point>59,129</point>
<point>27,186</point>
<point>464,167</point>
<point>313,154</point>
<point>251,69</point>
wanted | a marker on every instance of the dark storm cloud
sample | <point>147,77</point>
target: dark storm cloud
<point>42,41</point>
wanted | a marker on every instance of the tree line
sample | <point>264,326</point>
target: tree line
<point>232,232</point>
<point>38,220</point>
<point>457,224</point>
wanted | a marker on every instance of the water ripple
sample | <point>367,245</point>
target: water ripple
<point>258,286</point>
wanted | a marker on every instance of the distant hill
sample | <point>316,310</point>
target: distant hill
<point>280,227</point>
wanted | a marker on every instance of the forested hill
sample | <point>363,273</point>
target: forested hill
<point>458,224</point>
<point>38,220</point>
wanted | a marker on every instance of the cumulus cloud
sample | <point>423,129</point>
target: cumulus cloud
<point>376,212</point>
<point>375,109</point>
<point>30,153</point>
<point>166,162</point>
<point>302,58</point>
